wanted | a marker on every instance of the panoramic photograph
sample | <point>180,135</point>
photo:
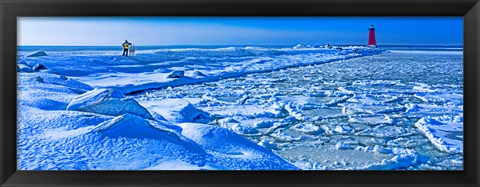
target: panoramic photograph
<point>240,93</point>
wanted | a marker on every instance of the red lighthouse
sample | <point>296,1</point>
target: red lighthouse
<point>371,37</point>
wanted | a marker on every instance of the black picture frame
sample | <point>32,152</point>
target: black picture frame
<point>11,9</point>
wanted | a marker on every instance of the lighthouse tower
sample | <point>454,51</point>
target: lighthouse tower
<point>371,37</point>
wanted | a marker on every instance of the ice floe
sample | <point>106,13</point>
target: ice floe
<point>445,132</point>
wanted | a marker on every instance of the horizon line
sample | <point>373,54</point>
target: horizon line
<point>237,45</point>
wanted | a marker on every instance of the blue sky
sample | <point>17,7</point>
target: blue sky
<point>112,31</point>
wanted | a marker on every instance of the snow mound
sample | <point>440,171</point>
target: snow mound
<point>445,132</point>
<point>38,67</point>
<point>176,74</point>
<point>198,74</point>
<point>177,111</point>
<point>47,91</point>
<point>240,152</point>
<point>108,102</point>
<point>74,85</point>
<point>37,54</point>
<point>24,68</point>
<point>126,142</point>
<point>28,66</point>
<point>47,104</point>
<point>132,126</point>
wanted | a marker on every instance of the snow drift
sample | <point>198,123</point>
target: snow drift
<point>241,153</point>
<point>37,54</point>
<point>108,102</point>
<point>176,110</point>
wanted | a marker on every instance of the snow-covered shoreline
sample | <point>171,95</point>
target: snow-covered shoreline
<point>62,128</point>
<point>192,71</point>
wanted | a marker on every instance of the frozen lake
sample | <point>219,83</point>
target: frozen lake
<point>348,114</point>
<point>242,107</point>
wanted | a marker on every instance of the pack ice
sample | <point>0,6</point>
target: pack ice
<point>78,115</point>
